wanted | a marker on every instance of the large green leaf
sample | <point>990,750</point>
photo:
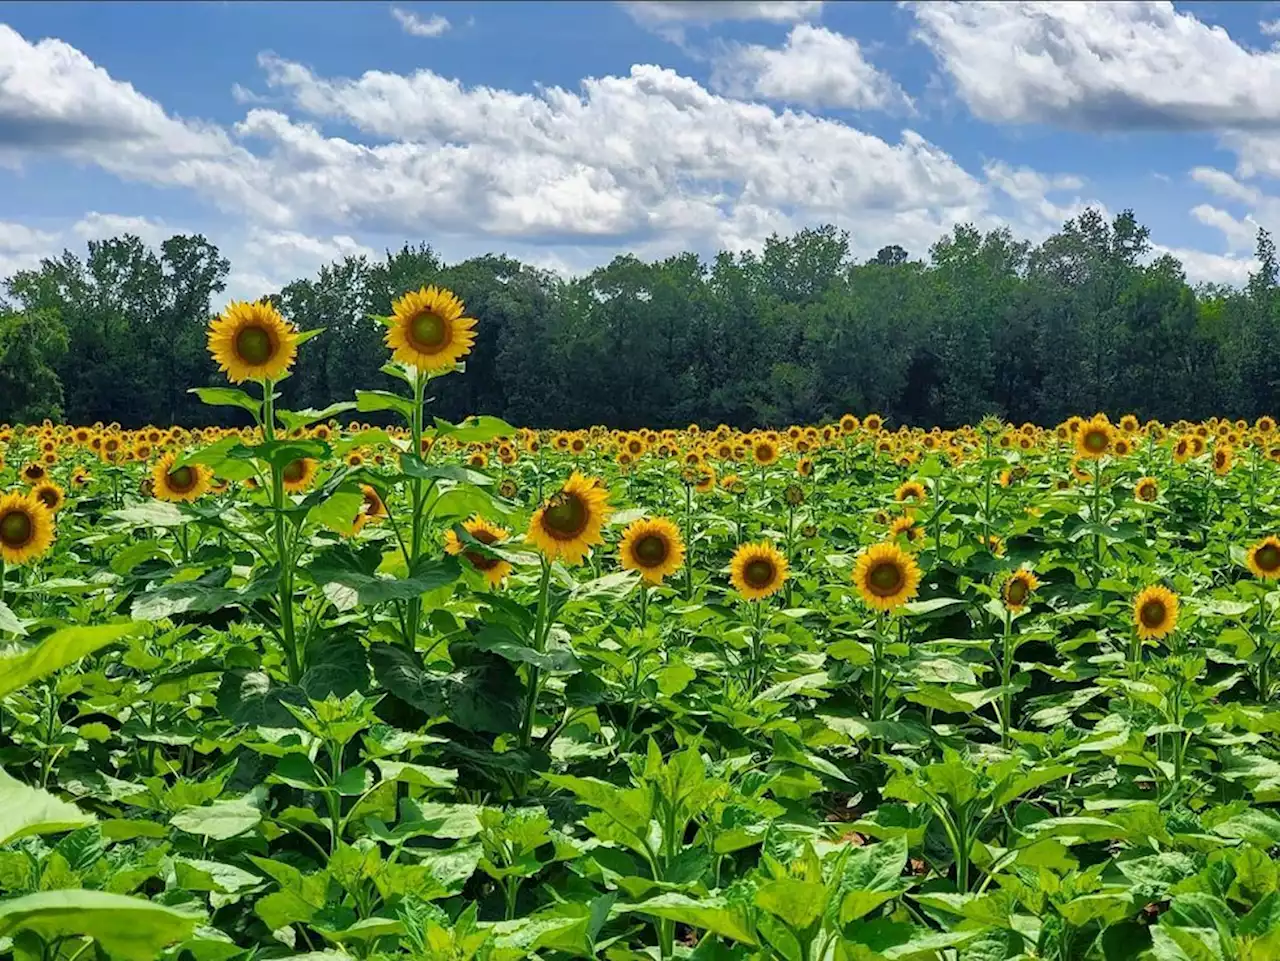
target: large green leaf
<point>129,929</point>
<point>58,650</point>
<point>26,810</point>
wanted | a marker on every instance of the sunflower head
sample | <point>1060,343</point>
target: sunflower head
<point>34,472</point>
<point>569,523</point>
<point>1146,490</point>
<point>1155,612</point>
<point>848,424</point>
<point>1263,558</point>
<point>1095,438</point>
<point>764,452</point>
<point>804,467</point>
<point>186,483</point>
<point>757,570</point>
<point>50,495</point>
<point>372,509</point>
<point>26,528</point>
<point>652,547</point>
<point>252,342</point>
<point>912,491</point>
<point>1223,458</point>
<point>706,479</point>
<point>886,576</point>
<point>906,527</point>
<point>428,330</point>
<point>1017,589</point>
<point>494,569</point>
<point>299,473</point>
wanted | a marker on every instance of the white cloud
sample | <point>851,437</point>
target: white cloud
<point>1206,268</point>
<point>1225,185</point>
<point>816,67</point>
<point>1100,66</point>
<point>22,247</point>
<point>657,12</point>
<point>415,26</point>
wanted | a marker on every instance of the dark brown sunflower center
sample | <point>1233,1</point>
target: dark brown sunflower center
<point>295,471</point>
<point>635,447</point>
<point>651,550</point>
<point>566,516</point>
<point>1153,613</point>
<point>480,561</point>
<point>764,452</point>
<point>372,504</point>
<point>48,496</point>
<point>428,332</point>
<point>1095,441</point>
<point>16,528</point>
<point>182,479</point>
<point>1016,592</point>
<point>1268,557</point>
<point>759,573</point>
<point>254,345</point>
<point>885,578</point>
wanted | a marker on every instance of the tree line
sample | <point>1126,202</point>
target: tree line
<point>798,332</point>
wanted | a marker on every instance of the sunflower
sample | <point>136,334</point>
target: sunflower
<point>50,495</point>
<point>757,570</point>
<point>186,483</point>
<point>569,523</point>
<point>26,528</point>
<point>299,473</point>
<point>1181,450</point>
<point>804,467</point>
<point>872,423</point>
<point>1122,447</point>
<point>478,459</point>
<point>994,543</point>
<point>80,477</point>
<point>764,451</point>
<point>910,491</point>
<point>252,342</point>
<point>906,527</point>
<point>1223,458</point>
<point>652,547</point>
<point>34,473</point>
<point>494,569</point>
<point>1264,558</point>
<point>706,479</point>
<point>372,509</point>
<point>848,424</point>
<point>1265,424</point>
<point>508,488</point>
<point>886,576</point>
<point>1155,612</point>
<point>1018,588</point>
<point>1146,490</point>
<point>428,330</point>
<point>1095,438</point>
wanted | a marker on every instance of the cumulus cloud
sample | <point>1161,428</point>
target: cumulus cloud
<point>816,67</point>
<point>1100,66</point>
<point>412,24</point>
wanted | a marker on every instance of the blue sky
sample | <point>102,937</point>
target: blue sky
<point>565,133</point>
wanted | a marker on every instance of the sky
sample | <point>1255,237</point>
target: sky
<point>564,134</point>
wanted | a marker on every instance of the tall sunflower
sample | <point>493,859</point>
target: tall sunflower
<point>494,569</point>
<point>186,483</point>
<point>910,491</point>
<point>886,576</point>
<point>569,523</point>
<point>372,509</point>
<point>1155,612</point>
<point>1095,438</point>
<point>428,330</point>
<point>1263,558</point>
<point>757,570</point>
<point>652,547</point>
<point>50,495</point>
<point>1017,589</point>
<point>252,342</point>
<point>26,528</point>
<point>1146,490</point>
<point>764,451</point>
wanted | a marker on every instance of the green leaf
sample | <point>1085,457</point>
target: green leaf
<point>26,811</point>
<point>475,430</point>
<point>795,902</point>
<point>347,586</point>
<point>9,621</point>
<point>58,650</point>
<point>714,915</point>
<point>130,929</point>
<point>227,397</point>
<point>221,819</point>
<point>371,401</point>
<point>293,420</point>
<point>151,514</point>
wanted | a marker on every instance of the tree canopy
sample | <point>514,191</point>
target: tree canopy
<point>800,331</point>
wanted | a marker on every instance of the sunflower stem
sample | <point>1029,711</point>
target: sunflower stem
<point>283,562</point>
<point>541,628</point>
<point>415,533</point>
<point>688,542</point>
<point>1006,670</point>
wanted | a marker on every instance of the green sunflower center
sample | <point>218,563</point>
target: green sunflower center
<point>16,528</point>
<point>1153,613</point>
<point>48,496</point>
<point>886,578</point>
<point>428,332</point>
<point>182,479</point>
<point>566,516</point>
<point>758,573</point>
<point>253,345</point>
<point>651,550</point>
<point>1267,557</point>
<point>295,471</point>
<point>1016,592</point>
<point>1095,441</point>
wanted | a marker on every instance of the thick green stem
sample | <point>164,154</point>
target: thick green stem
<point>284,563</point>
<point>1006,672</point>
<point>688,543</point>
<point>415,534</point>
<point>540,631</point>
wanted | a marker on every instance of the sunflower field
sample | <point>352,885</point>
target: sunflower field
<point>319,688</point>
